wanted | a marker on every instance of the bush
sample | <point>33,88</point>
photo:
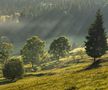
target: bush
<point>13,69</point>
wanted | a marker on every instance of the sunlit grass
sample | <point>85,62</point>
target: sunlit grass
<point>71,77</point>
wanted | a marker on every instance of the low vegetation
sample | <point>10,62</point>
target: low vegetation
<point>13,69</point>
<point>73,77</point>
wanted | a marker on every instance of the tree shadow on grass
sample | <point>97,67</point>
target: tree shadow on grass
<point>94,65</point>
<point>72,88</point>
<point>40,74</point>
<point>4,81</point>
<point>44,74</point>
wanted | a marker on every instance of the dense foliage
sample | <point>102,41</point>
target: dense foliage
<point>13,68</point>
<point>60,47</point>
<point>33,50</point>
<point>5,48</point>
<point>96,43</point>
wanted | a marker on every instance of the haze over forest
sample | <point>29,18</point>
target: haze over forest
<point>21,19</point>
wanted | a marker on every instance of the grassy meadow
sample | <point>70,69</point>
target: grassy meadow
<point>70,76</point>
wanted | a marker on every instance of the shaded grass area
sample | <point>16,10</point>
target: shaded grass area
<point>95,64</point>
<point>4,81</point>
<point>64,79</point>
<point>39,74</point>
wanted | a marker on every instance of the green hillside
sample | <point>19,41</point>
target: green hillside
<point>72,77</point>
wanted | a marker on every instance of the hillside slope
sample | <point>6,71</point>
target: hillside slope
<point>69,78</point>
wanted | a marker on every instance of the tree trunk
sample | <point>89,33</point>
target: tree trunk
<point>94,59</point>
<point>32,65</point>
<point>12,79</point>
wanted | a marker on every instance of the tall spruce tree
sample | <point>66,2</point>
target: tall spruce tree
<point>96,43</point>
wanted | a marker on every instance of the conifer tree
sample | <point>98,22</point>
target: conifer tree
<point>96,43</point>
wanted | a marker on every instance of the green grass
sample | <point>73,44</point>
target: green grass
<point>68,78</point>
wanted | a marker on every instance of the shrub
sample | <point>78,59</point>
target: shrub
<point>13,69</point>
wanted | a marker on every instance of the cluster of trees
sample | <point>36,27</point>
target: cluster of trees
<point>32,52</point>
<point>34,49</point>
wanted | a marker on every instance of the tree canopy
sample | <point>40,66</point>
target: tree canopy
<point>33,50</point>
<point>59,47</point>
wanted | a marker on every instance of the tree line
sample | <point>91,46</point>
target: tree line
<point>34,51</point>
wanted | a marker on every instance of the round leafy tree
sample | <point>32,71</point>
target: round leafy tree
<point>59,47</point>
<point>33,50</point>
<point>13,68</point>
<point>5,48</point>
